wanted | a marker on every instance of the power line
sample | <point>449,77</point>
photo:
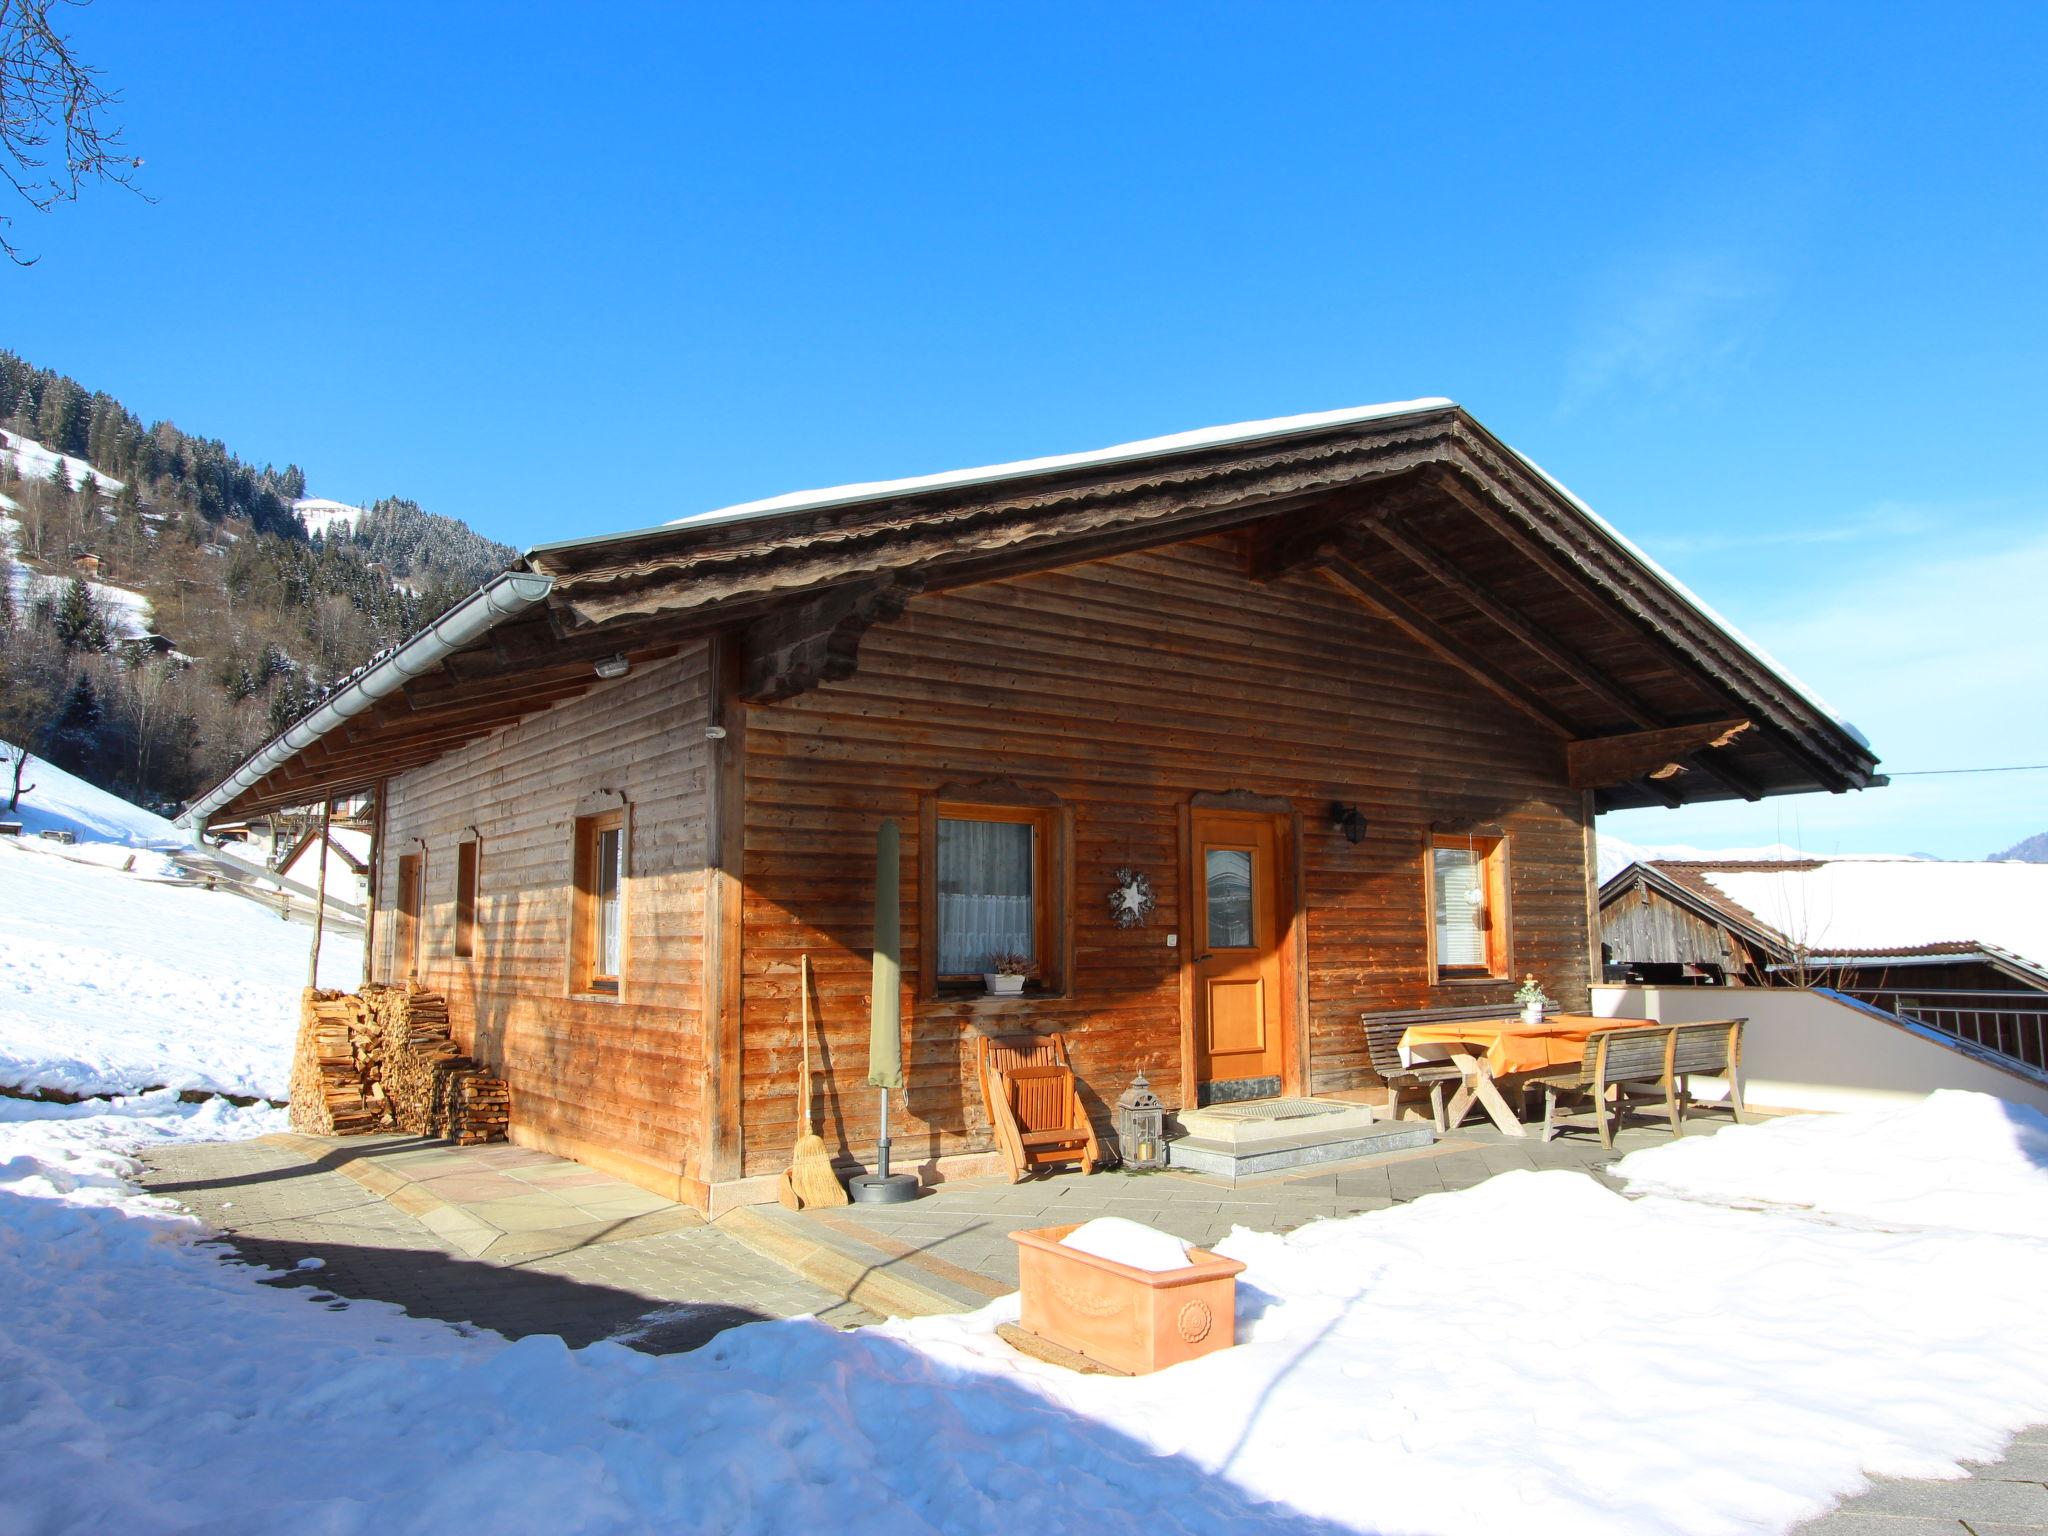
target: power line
<point>1922,773</point>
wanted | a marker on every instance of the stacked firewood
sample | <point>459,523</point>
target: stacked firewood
<point>386,1060</point>
<point>332,1093</point>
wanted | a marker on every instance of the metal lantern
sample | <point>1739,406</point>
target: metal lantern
<point>1141,1126</point>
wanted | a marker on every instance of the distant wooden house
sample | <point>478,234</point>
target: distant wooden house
<point>1961,945</point>
<point>86,565</point>
<point>1232,735</point>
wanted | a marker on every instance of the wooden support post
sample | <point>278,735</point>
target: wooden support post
<point>382,793</point>
<point>320,897</point>
<point>720,1147</point>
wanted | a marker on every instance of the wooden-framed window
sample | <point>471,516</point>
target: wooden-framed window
<point>597,942</point>
<point>1465,883</point>
<point>994,886</point>
<point>411,890</point>
<point>465,898</point>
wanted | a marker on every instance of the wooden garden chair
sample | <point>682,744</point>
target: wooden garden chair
<point>1714,1049</point>
<point>1383,1045</point>
<point>1033,1105</point>
<point>1616,1062</point>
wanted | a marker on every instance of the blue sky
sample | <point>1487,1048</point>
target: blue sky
<point>1764,284</point>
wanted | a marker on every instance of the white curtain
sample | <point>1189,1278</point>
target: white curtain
<point>985,894</point>
<point>1460,936</point>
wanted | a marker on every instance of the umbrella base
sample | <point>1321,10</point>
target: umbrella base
<point>882,1188</point>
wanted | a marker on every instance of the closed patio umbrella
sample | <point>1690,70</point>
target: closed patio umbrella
<point>885,1018</point>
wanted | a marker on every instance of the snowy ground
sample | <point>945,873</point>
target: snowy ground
<point>112,980</point>
<point>1536,1354</point>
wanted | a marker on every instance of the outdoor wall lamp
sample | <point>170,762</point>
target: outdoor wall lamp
<point>1349,820</point>
<point>614,665</point>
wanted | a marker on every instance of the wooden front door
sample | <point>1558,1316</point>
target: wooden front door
<point>1240,1014</point>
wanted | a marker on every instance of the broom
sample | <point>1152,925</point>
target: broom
<point>810,1180</point>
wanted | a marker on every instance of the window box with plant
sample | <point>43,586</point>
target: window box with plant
<point>1006,974</point>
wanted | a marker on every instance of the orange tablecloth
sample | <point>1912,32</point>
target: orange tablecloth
<point>1509,1044</point>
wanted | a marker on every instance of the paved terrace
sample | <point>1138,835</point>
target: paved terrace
<point>519,1242</point>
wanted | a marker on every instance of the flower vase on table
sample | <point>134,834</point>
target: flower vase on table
<point>1533,999</point>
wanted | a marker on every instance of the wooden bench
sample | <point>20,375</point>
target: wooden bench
<point>1033,1105</point>
<point>1615,1061</point>
<point>1714,1049</point>
<point>1383,1033</point>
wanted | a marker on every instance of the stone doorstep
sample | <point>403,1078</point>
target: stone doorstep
<point>1302,1150</point>
<point>1324,1121</point>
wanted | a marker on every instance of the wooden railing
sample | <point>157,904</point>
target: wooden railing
<point>2013,1024</point>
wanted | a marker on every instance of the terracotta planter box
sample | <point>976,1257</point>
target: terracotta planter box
<point>1131,1320</point>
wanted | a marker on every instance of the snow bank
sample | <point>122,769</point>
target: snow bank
<point>110,983</point>
<point>1536,1354</point>
<point>1953,1159</point>
<point>1128,1242</point>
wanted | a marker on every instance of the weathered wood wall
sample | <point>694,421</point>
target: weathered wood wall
<point>614,1083</point>
<point>1643,927</point>
<point>1124,686</point>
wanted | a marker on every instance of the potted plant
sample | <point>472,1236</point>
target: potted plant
<point>1533,1000</point>
<point>1006,973</point>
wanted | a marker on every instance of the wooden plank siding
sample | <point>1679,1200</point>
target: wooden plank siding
<point>612,1082</point>
<point>1124,686</point>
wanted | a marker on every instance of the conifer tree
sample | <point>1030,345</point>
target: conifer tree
<point>79,623</point>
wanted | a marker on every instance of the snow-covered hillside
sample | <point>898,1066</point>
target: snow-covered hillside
<point>32,461</point>
<point>112,979</point>
<point>322,516</point>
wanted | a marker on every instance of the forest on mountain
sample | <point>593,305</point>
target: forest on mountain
<point>166,610</point>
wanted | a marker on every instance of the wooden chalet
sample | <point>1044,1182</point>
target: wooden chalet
<point>1341,693</point>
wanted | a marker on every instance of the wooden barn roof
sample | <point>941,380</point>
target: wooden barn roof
<point>1415,510</point>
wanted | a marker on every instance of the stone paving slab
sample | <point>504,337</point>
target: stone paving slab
<point>662,1280</point>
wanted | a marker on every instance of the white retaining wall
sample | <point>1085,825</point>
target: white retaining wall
<point>1816,1050</point>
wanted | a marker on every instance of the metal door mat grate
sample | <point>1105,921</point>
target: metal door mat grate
<point>1274,1109</point>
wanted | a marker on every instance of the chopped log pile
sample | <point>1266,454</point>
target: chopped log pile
<point>383,1060</point>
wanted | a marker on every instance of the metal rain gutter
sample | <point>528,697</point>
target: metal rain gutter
<point>500,598</point>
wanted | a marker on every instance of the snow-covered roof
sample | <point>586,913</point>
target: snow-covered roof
<point>1233,434</point>
<point>1889,906</point>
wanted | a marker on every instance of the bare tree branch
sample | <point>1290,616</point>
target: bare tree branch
<point>54,133</point>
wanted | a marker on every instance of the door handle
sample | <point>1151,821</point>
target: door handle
<point>1200,958</point>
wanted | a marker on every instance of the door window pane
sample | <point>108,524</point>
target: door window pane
<point>986,893</point>
<point>1229,884</point>
<point>1460,908</point>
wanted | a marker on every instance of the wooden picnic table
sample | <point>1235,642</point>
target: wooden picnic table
<point>1487,1051</point>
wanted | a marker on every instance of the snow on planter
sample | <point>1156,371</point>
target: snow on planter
<point>1953,1159</point>
<point>1124,1296</point>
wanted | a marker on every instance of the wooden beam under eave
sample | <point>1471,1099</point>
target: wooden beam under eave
<point>721,1151</point>
<point>1601,762</point>
<point>1348,575</point>
<point>1578,574</point>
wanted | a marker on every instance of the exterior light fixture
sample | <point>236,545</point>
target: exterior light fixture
<point>614,665</point>
<point>1141,1126</point>
<point>1349,820</point>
